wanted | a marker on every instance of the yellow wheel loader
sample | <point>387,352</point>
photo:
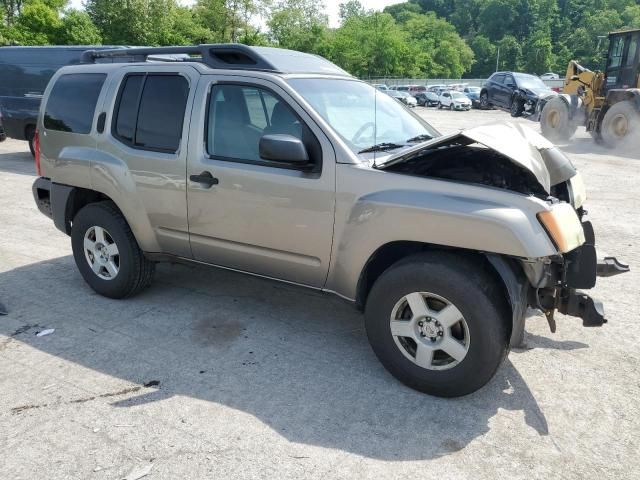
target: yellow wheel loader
<point>606,103</point>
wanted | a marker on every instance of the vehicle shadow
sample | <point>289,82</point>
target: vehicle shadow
<point>295,359</point>
<point>532,342</point>
<point>17,162</point>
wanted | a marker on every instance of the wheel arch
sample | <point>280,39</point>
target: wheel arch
<point>66,202</point>
<point>503,270</point>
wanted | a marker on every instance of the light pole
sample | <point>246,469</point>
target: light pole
<point>498,60</point>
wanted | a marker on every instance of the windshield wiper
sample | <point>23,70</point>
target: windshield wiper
<point>381,147</point>
<point>420,138</point>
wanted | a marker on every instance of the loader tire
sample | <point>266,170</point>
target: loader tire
<point>620,124</point>
<point>555,121</point>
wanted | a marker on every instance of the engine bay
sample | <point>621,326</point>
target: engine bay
<point>469,163</point>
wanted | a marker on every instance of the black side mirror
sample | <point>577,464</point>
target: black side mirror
<point>283,148</point>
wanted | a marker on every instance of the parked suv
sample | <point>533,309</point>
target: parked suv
<point>518,93</point>
<point>280,164</point>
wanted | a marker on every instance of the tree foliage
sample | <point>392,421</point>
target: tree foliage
<point>429,38</point>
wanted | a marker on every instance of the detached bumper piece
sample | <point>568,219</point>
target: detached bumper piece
<point>579,304</point>
<point>610,266</point>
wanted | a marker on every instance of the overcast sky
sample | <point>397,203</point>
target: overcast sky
<point>332,6</point>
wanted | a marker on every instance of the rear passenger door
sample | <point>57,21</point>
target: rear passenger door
<point>143,150</point>
<point>258,216</point>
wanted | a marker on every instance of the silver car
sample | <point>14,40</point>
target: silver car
<point>281,165</point>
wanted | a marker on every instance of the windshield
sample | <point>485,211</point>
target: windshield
<point>361,115</point>
<point>458,95</point>
<point>473,89</point>
<point>529,81</point>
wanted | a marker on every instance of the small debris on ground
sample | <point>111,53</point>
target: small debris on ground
<point>46,331</point>
<point>139,471</point>
<point>47,387</point>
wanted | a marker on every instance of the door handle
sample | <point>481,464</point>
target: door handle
<point>205,178</point>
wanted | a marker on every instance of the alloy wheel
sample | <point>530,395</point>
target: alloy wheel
<point>430,331</point>
<point>101,253</point>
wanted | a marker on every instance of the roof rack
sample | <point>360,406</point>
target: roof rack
<point>220,56</point>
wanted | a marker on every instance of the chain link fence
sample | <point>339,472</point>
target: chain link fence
<point>472,82</point>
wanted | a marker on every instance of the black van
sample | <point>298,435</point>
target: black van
<point>24,74</point>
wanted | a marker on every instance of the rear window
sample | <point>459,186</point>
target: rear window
<point>72,102</point>
<point>151,119</point>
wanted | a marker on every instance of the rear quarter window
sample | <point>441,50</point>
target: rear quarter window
<point>72,102</point>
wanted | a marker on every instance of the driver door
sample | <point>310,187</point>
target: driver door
<point>267,218</point>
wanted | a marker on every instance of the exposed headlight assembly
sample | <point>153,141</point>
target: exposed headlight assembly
<point>577,190</point>
<point>563,226</point>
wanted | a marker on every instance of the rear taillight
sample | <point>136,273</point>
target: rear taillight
<point>36,149</point>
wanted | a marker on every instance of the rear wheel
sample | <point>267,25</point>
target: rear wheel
<point>555,121</point>
<point>106,252</point>
<point>620,124</point>
<point>451,106</point>
<point>30,135</point>
<point>438,324</point>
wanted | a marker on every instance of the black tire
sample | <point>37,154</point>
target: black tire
<point>30,135</point>
<point>620,125</point>
<point>451,107</point>
<point>484,101</point>
<point>135,270</point>
<point>555,122</point>
<point>476,295</point>
<point>517,107</point>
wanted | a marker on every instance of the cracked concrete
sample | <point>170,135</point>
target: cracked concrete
<point>264,380</point>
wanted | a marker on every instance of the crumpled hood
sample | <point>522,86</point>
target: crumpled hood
<point>521,145</point>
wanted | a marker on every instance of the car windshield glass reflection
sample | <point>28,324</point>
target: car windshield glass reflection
<point>529,81</point>
<point>361,115</point>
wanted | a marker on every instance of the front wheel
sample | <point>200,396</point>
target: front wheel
<point>484,101</point>
<point>555,121</point>
<point>451,107</point>
<point>438,324</point>
<point>106,252</point>
<point>517,107</point>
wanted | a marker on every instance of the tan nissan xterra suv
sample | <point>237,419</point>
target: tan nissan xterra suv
<point>281,165</point>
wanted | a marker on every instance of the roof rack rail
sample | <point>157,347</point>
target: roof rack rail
<point>219,56</point>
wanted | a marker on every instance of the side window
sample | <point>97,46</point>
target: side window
<point>509,81</point>
<point>72,102</point>
<point>238,116</point>
<point>631,53</point>
<point>615,58</point>
<point>498,78</point>
<point>150,111</point>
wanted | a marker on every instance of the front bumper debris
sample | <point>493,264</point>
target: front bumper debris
<point>610,266</point>
<point>579,269</point>
<point>579,304</point>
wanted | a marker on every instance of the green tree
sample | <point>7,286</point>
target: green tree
<point>485,55</point>
<point>299,25</point>
<point>510,53</point>
<point>443,53</point>
<point>373,45</point>
<point>76,28</point>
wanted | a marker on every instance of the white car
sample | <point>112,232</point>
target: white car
<point>454,100</point>
<point>549,76</point>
